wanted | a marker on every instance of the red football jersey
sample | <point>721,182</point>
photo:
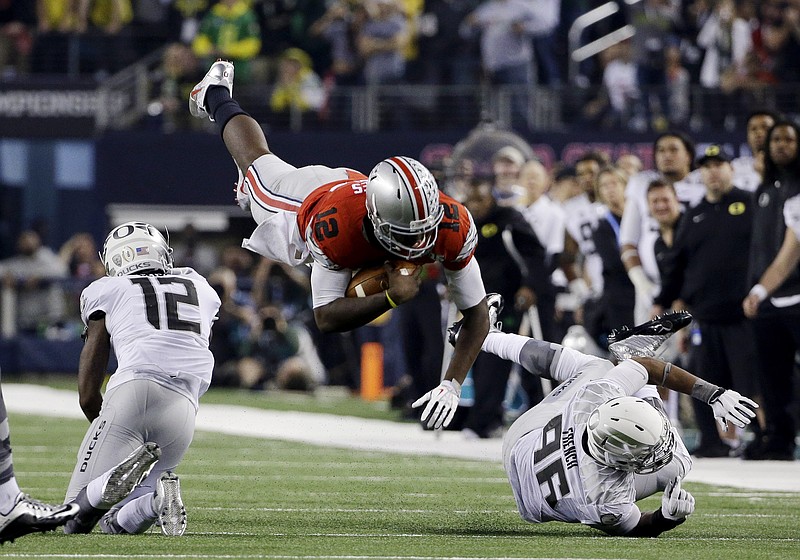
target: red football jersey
<point>332,220</point>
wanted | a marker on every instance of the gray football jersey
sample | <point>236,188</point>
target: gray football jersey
<point>160,327</point>
<point>553,478</point>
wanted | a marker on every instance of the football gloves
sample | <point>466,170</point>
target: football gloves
<point>676,503</point>
<point>730,406</point>
<point>442,403</point>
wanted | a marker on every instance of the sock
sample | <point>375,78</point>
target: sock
<point>505,345</point>
<point>94,491</point>
<point>221,106</point>
<point>9,490</point>
<point>138,515</point>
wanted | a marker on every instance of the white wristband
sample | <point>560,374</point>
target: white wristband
<point>759,291</point>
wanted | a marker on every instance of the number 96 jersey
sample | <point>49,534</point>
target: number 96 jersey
<point>160,327</point>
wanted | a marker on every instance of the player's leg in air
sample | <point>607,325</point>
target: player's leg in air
<point>19,513</point>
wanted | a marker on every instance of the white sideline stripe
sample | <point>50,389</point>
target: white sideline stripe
<point>348,432</point>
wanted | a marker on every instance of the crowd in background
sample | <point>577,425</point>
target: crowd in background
<point>738,52</point>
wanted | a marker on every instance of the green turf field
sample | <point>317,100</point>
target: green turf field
<point>251,498</point>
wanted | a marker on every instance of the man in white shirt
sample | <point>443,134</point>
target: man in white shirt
<point>159,318</point>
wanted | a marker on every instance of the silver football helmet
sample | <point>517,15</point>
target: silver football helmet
<point>629,434</point>
<point>403,206</point>
<point>136,248</point>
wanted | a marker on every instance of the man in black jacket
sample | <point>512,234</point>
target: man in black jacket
<point>516,267</point>
<point>707,269</point>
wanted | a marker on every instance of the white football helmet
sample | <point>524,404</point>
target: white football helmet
<point>136,248</point>
<point>629,434</point>
<point>403,206</point>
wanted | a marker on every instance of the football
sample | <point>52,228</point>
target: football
<point>373,280</point>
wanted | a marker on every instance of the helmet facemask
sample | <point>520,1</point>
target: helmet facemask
<point>403,207</point>
<point>630,435</point>
<point>136,248</point>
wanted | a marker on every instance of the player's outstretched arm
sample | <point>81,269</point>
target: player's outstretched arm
<point>92,367</point>
<point>728,405</point>
<point>442,401</point>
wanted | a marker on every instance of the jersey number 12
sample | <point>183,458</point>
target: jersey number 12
<point>171,301</point>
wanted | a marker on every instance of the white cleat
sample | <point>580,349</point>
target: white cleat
<point>220,74</point>
<point>169,505</point>
<point>130,472</point>
<point>32,516</point>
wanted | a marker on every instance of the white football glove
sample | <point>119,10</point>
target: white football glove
<point>676,503</point>
<point>732,407</point>
<point>442,403</point>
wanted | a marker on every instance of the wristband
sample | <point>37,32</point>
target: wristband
<point>759,291</point>
<point>665,375</point>
<point>706,392</point>
<point>627,253</point>
<point>389,300</point>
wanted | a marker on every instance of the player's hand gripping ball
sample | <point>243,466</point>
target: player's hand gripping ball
<point>374,280</point>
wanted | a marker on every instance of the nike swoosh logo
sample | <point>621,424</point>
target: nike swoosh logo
<point>194,91</point>
<point>699,218</point>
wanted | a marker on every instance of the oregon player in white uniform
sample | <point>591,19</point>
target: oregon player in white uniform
<point>158,319</point>
<point>590,450</point>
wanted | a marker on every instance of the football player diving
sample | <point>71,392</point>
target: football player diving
<point>159,319</point>
<point>341,220</point>
<point>600,440</point>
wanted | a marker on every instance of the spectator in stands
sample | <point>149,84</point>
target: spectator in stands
<point>547,219</point>
<point>381,42</point>
<point>654,22</point>
<point>506,164</point>
<point>381,45</point>
<point>106,45</point>
<point>545,42</point>
<point>747,168</point>
<point>678,87</point>
<point>34,273</point>
<point>674,160</point>
<point>777,322</point>
<point>448,59</point>
<point>230,343</point>
<point>506,29</point>
<point>171,83</point>
<point>514,265</point>
<point>616,303</point>
<point>727,43</point>
<point>183,19</point>
<point>279,284</point>
<point>706,270</point>
<point>230,31</point>
<point>340,25</point>
<point>298,92</point>
<point>619,103</point>
<point>56,19</point>
<point>190,247</point>
<point>79,254</point>
<point>630,164</point>
<point>17,22</point>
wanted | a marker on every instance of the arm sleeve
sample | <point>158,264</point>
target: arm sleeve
<point>466,285</point>
<point>328,285</point>
<point>791,214</point>
<point>630,229</point>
